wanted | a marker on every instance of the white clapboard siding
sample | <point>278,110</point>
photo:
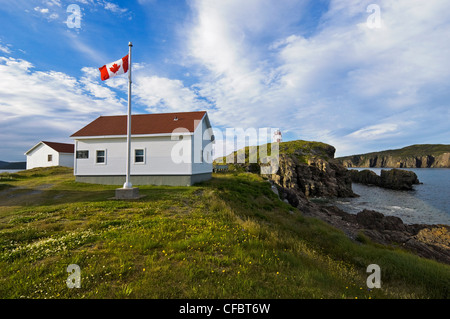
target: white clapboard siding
<point>43,155</point>
<point>157,156</point>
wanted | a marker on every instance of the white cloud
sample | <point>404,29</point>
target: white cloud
<point>38,105</point>
<point>113,7</point>
<point>93,53</point>
<point>5,49</point>
<point>41,10</point>
<point>342,77</point>
<point>53,3</point>
<point>160,94</point>
<point>46,12</point>
<point>85,1</point>
<point>53,16</point>
<point>375,131</point>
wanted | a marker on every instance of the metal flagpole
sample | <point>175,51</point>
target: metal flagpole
<point>127,181</point>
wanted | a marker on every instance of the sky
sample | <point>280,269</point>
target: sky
<point>361,75</point>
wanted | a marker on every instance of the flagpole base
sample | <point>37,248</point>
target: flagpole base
<point>127,185</point>
<point>127,193</point>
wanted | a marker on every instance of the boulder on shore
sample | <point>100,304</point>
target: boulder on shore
<point>398,179</point>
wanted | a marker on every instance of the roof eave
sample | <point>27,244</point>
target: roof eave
<point>124,136</point>
<point>31,149</point>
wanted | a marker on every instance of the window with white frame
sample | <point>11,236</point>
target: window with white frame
<point>101,157</point>
<point>139,156</point>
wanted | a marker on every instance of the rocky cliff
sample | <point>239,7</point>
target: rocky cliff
<point>305,168</point>
<point>414,156</point>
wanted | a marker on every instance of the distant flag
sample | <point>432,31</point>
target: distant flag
<point>115,68</point>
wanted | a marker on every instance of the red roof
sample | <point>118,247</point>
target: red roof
<point>141,124</point>
<point>61,147</point>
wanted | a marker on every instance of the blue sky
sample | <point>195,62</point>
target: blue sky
<point>330,71</point>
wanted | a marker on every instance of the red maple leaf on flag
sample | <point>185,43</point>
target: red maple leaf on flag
<point>114,68</point>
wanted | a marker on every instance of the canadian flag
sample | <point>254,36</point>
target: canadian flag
<point>115,68</point>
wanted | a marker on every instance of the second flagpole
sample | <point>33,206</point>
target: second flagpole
<point>127,183</point>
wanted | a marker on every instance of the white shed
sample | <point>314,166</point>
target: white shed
<point>166,149</point>
<point>45,154</point>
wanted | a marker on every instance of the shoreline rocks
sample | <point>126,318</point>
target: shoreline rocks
<point>395,178</point>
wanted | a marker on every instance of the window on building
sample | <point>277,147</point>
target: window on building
<point>82,154</point>
<point>101,157</point>
<point>49,157</point>
<point>139,156</point>
<point>201,156</point>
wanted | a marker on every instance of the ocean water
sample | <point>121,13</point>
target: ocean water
<point>427,203</point>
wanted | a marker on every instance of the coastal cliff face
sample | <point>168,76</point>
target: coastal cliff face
<point>428,161</point>
<point>305,170</point>
<point>316,178</point>
<point>415,156</point>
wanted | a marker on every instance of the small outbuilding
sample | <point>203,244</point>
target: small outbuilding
<point>45,154</point>
<point>166,149</point>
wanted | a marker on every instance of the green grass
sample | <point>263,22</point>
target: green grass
<point>226,238</point>
<point>251,157</point>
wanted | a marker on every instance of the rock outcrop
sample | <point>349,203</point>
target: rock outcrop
<point>414,156</point>
<point>305,168</point>
<point>398,179</point>
<point>317,178</point>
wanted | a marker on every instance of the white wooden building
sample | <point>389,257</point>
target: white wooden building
<point>166,149</point>
<point>45,154</point>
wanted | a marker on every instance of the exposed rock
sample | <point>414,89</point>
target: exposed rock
<point>398,179</point>
<point>370,219</point>
<point>414,156</point>
<point>317,178</point>
<point>393,179</point>
<point>438,236</point>
<point>365,176</point>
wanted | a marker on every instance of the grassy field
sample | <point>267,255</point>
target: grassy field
<point>226,238</point>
